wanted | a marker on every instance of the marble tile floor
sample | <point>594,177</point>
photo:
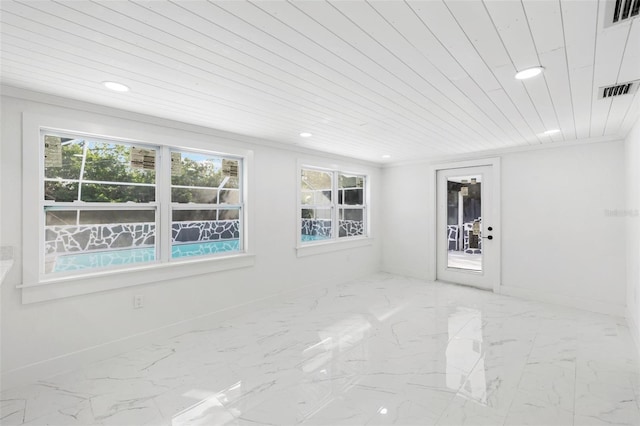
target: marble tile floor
<point>377,351</point>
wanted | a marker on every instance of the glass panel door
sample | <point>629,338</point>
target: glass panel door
<point>467,228</point>
<point>464,222</point>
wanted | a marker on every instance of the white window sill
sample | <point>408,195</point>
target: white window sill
<point>311,249</point>
<point>57,288</point>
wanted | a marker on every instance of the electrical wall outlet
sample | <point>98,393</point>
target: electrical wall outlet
<point>138,301</point>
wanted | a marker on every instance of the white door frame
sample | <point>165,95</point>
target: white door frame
<point>432,245</point>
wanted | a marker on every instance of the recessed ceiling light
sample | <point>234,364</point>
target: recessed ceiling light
<point>116,87</point>
<point>306,134</point>
<point>529,72</point>
<point>386,156</point>
<point>552,131</point>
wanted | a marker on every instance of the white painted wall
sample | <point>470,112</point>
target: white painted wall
<point>632,230</point>
<point>558,244</point>
<point>405,212</point>
<point>557,238</point>
<point>35,334</point>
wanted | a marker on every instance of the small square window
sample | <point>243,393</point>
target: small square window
<point>332,205</point>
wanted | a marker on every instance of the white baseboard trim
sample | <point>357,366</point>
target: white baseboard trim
<point>45,369</point>
<point>633,329</point>
<point>570,301</point>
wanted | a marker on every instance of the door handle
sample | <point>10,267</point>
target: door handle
<point>490,237</point>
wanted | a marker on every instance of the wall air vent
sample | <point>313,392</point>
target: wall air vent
<point>630,87</point>
<point>621,10</point>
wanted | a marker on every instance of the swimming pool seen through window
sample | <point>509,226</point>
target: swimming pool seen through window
<point>112,204</point>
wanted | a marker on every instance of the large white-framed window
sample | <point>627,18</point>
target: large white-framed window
<point>332,206</point>
<point>206,204</point>
<point>99,203</point>
<point>103,212</point>
<point>104,203</point>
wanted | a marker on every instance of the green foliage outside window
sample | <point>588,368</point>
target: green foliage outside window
<point>109,163</point>
<point>103,163</point>
<point>203,174</point>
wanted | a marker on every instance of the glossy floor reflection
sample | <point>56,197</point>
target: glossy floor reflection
<point>385,350</point>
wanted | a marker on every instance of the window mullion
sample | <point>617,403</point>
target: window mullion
<point>365,211</point>
<point>99,182</point>
<point>163,213</point>
<point>52,205</point>
<point>335,232</point>
<point>199,206</point>
<point>243,202</point>
<point>85,147</point>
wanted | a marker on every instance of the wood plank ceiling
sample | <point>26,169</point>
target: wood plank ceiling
<point>409,79</point>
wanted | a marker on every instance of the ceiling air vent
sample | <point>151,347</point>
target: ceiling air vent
<point>621,11</point>
<point>621,89</point>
